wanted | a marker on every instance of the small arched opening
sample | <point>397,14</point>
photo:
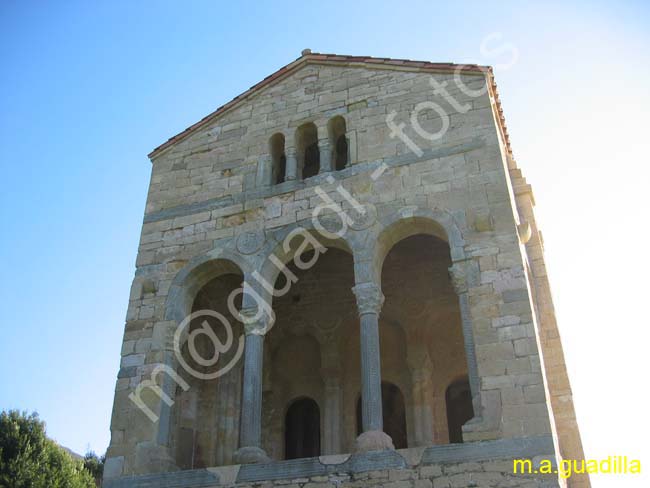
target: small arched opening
<point>339,142</point>
<point>278,159</point>
<point>302,430</point>
<point>307,150</point>
<point>458,398</point>
<point>394,414</point>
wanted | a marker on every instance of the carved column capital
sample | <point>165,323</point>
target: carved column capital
<point>255,321</point>
<point>323,143</point>
<point>369,298</point>
<point>460,275</point>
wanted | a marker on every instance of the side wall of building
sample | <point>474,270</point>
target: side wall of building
<point>565,425</point>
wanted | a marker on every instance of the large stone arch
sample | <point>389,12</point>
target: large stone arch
<point>184,289</point>
<point>284,245</point>
<point>195,274</point>
<point>300,312</point>
<point>410,221</point>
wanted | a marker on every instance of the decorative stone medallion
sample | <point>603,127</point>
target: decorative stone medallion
<point>329,221</point>
<point>363,220</point>
<point>250,242</point>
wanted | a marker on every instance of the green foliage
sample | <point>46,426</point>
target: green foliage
<point>94,465</point>
<point>28,459</point>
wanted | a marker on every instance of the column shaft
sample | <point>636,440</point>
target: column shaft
<point>292,164</point>
<point>470,351</point>
<point>332,420</point>
<point>250,434</point>
<point>370,373</point>
<point>325,156</point>
<point>422,408</point>
<point>369,302</point>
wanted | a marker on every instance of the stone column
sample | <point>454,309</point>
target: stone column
<point>332,414</point>
<point>250,431</point>
<point>420,367</point>
<point>292,164</point>
<point>325,155</point>
<point>369,302</point>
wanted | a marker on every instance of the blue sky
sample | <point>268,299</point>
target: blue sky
<point>89,88</point>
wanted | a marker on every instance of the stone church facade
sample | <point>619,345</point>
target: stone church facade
<point>340,282</point>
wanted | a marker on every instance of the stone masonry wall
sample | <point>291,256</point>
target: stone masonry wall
<point>211,191</point>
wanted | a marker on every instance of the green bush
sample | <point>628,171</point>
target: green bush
<point>28,459</point>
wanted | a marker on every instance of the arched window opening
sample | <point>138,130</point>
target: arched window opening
<point>394,414</point>
<point>427,307</point>
<point>302,430</point>
<point>278,159</point>
<point>206,416</point>
<point>307,150</point>
<point>339,142</point>
<point>459,409</point>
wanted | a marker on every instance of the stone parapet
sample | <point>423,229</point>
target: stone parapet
<point>477,464</point>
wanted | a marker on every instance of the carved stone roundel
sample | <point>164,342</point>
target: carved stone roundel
<point>250,242</point>
<point>363,220</point>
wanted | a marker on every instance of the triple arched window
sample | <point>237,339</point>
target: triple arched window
<point>311,155</point>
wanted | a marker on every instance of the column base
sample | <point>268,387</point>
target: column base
<point>250,455</point>
<point>373,440</point>
<point>153,458</point>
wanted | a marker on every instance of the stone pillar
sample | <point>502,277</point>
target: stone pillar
<point>369,302</point>
<point>292,164</point>
<point>333,411</point>
<point>250,431</point>
<point>325,156</point>
<point>156,455</point>
<point>421,368</point>
<point>459,273</point>
<point>488,411</point>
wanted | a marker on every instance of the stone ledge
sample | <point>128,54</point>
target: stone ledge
<point>355,463</point>
<point>528,447</point>
<point>195,478</point>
